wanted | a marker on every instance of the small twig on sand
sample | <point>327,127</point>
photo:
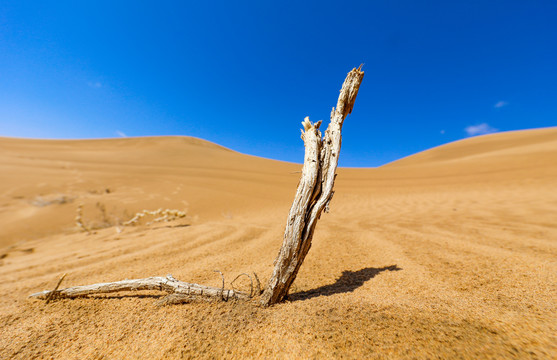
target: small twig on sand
<point>259,291</point>
<point>251,285</point>
<point>51,294</point>
<point>222,293</point>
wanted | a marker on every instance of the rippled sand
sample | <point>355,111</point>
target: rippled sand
<point>450,253</point>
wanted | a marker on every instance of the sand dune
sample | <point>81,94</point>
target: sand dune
<point>449,253</point>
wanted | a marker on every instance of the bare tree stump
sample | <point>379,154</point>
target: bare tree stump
<point>315,191</point>
<point>313,195</point>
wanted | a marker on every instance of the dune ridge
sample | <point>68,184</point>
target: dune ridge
<point>449,253</point>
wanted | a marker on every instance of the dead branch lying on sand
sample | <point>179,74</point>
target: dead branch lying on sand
<point>166,284</point>
<point>315,191</point>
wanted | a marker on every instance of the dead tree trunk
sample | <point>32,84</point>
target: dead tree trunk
<point>313,195</point>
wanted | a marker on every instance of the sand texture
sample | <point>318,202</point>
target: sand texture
<point>450,253</point>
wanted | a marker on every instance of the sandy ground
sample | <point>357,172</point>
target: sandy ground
<point>450,253</point>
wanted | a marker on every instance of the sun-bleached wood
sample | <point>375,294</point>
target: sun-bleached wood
<point>313,195</point>
<point>165,284</point>
<point>315,191</point>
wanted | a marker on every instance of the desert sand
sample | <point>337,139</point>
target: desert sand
<point>449,253</point>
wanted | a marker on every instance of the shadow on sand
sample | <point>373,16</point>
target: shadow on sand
<point>347,282</point>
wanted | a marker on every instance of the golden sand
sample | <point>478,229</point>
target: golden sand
<point>450,253</point>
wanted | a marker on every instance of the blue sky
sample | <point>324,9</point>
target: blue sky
<point>245,74</point>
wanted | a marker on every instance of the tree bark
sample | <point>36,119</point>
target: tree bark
<point>315,191</point>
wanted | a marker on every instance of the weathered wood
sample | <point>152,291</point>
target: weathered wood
<point>165,284</point>
<point>315,191</point>
<point>313,195</point>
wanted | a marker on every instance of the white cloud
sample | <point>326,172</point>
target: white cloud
<point>480,129</point>
<point>120,133</point>
<point>442,131</point>
<point>500,104</point>
<point>95,84</point>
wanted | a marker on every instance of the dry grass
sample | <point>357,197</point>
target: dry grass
<point>161,215</point>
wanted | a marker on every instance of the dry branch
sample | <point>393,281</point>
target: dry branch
<point>51,294</point>
<point>165,284</point>
<point>314,193</point>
